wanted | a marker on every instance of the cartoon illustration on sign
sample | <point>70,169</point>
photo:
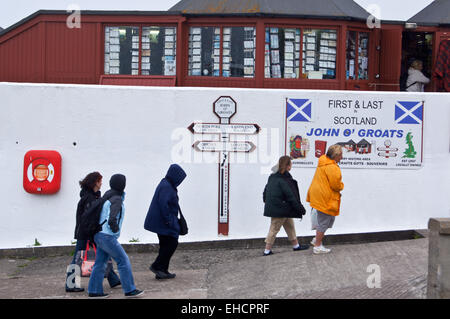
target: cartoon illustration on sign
<point>409,152</point>
<point>299,147</point>
<point>387,151</point>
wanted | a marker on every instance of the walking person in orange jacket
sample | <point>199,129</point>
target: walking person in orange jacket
<point>324,194</point>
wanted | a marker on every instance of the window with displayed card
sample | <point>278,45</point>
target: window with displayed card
<point>282,53</point>
<point>122,50</point>
<point>158,51</point>
<point>222,51</point>
<point>319,53</point>
<point>357,55</point>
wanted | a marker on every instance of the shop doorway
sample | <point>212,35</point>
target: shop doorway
<point>416,46</point>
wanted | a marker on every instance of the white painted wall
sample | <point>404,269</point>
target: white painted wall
<point>139,131</point>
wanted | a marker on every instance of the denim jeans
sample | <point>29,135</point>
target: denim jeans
<point>107,247</point>
<point>112,277</point>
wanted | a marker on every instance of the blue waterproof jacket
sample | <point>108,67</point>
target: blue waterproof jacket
<point>162,216</point>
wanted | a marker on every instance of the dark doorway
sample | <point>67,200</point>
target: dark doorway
<point>416,46</point>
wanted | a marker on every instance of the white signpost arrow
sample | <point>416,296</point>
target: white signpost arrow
<point>224,107</point>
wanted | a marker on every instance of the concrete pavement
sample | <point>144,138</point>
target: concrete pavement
<point>241,273</point>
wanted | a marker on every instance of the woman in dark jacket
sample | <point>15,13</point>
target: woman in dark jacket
<point>90,191</point>
<point>282,203</point>
<point>162,219</point>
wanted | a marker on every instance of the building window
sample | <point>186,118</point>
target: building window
<point>127,53</point>
<point>158,51</point>
<point>282,53</point>
<point>122,50</point>
<point>319,53</point>
<point>222,51</point>
<point>357,49</point>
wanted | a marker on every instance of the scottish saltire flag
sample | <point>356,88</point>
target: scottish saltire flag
<point>298,110</point>
<point>408,112</point>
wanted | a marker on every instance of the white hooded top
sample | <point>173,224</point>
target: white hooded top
<point>416,76</point>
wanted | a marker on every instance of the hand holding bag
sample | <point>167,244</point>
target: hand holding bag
<point>88,257</point>
<point>183,224</point>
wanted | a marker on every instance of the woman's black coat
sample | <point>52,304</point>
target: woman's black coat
<point>282,198</point>
<point>87,197</point>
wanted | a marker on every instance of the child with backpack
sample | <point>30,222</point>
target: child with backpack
<point>106,233</point>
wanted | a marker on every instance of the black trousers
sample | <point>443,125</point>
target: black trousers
<point>167,247</point>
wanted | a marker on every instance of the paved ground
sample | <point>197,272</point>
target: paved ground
<point>244,273</point>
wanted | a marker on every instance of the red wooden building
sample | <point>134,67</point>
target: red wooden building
<point>308,44</point>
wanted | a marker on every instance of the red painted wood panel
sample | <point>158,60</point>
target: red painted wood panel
<point>390,59</point>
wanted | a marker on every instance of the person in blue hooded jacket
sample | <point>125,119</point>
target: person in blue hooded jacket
<point>162,219</point>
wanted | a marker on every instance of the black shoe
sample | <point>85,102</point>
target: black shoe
<point>98,295</point>
<point>301,247</point>
<point>74,289</point>
<point>116,285</point>
<point>159,274</point>
<point>170,275</point>
<point>268,254</point>
<point>134,294</point>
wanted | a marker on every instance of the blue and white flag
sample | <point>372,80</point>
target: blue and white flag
<point>298,110</point>
<point>408,112</point>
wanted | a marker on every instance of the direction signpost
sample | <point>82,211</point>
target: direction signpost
<point>224,108</point>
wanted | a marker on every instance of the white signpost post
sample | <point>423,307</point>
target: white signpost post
<point>224,107</point>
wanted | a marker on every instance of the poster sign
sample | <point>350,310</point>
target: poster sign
<point>374,132</point>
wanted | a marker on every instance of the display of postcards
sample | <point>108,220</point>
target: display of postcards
<point>331,43</point>
<point>226,73</point>
<point>267,72</point>
<point>289,47</point>
<point>226,31</point>
<point>267,37</point>
<point>146,46</point>
<point>311,40</point>
<point>267,60</point>
<point>169,68</point>
<point>197,38</point>
<point>196,31</point>
<point>216,73</point>
<point>216,30</point>
<point>196,44</point>
<point>145,52</point>
<point>169,45</point>
<point>332,50</point>
<point>145,39</point>
<point>276,71</point>
<point>289,73</point>
<point>196,52</point>
<point>226,59</point>
<point>297,47</point>
<point>249,61</point>
<point>309,67</point>
<point>249,54</point>
<point>297,55</point>
<point>289,56</point>
<point>145,72</point>
<point>114,70</point>
<point>332,35</point>
<point>135,45</point>
<point>134,65</point>
<point>274,41</point>
<point>114,63</point>
<point>135,39</point>
<point>168,52</point>
<point>134,72</point>
<point>274,30</point>
<point>106,48</point>
<point>275,55</point>
<point>325,35</point>
<point>106,68</point>
<point>226,67</point>
<point>297,63</point>
<point>289,35</point>
<point>297,38</point>
<point>248,70</point>
<point>217,59</point>
<point>216,66</point>
<point>170,31</point>
<point>310,60</point>
<point>249,28</point>
<point>169,58</point>
<point>226,52</point>
<point>226,37</point>
<point>310,53</point>
<point>226,45</point>
<point>114,33</point>
<point>114,41</point>
<point>324,42</point>
<point>135,59</point>
<point>145,59</point>
<point>114,48</point>
<point>289,63</point>
<point>311,46</point>
<point>248,44</point>
<point>216,45</point>
<point>196,72</point>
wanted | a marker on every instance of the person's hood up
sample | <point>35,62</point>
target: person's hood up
<point>175,175</point>
<point>118,182</point>
<point>324,160</point>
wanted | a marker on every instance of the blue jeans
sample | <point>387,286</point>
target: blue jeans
<point>113,279</point>
<point>107,247</point>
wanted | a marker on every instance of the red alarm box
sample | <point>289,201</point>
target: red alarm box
<point>42,172</point>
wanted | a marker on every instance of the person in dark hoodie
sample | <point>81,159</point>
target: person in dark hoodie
<point>282,204</point>
<point>162,219</point>
<point>90,191</point>
<point>111,218</point>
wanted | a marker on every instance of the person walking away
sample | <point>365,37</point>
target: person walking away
<point>324,194</point>
<point>111,219</point>
<point>162,219</point>
<point>282,203</point>
<point>90,191</point>
<point>416,80</point>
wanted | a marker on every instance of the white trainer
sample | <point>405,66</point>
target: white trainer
<point>321,250</point>
<point>313,241</point>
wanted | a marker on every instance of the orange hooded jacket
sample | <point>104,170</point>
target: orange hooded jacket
<point>324,192</point>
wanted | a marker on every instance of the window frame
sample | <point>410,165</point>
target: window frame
<point>357,40</point>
